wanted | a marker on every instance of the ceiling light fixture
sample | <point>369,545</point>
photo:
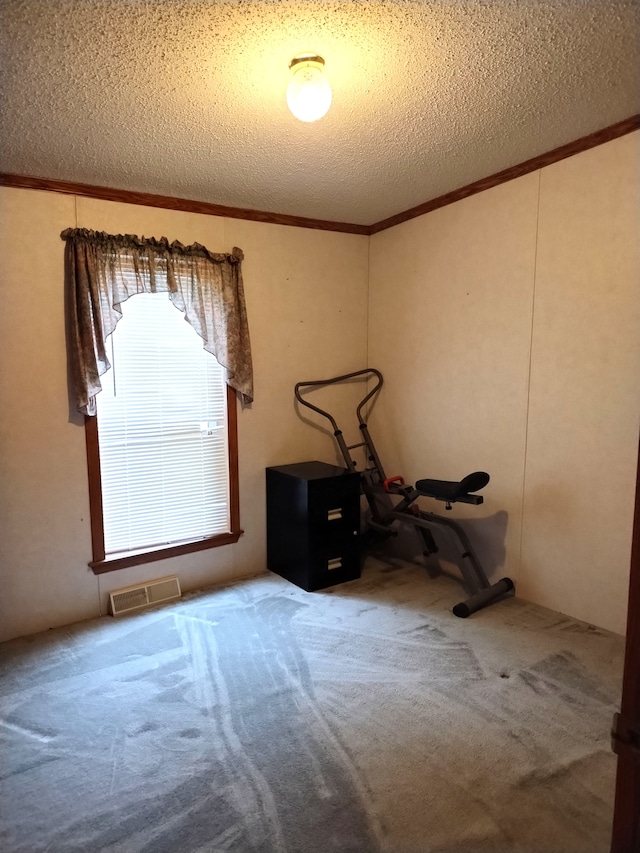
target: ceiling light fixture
<point>308,92</point>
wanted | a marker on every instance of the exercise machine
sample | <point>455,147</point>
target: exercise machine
<point>391,502</point>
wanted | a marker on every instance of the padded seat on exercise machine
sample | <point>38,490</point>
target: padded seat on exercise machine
<point>451,491</point>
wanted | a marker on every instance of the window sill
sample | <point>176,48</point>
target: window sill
<point>138,558</point>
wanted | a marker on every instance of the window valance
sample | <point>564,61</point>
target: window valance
<point>104,270</point>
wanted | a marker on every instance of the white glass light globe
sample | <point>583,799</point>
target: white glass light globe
<point>308,92</point>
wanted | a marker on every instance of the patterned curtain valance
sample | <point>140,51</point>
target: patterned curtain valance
<point>104,270</point>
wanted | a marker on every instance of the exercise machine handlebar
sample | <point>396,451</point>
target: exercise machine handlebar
<point>369,372</point>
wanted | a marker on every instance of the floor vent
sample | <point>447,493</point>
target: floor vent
<point>144,594</point>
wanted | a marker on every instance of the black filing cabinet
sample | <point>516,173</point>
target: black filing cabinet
<point>313,524</point>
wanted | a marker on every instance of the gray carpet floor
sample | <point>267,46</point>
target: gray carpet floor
<point>258,718</point>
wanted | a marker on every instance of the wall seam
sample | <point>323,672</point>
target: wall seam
<point>528,403</point>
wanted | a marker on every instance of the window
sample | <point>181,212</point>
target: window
<point>163,440</point>
<point>159,393</point>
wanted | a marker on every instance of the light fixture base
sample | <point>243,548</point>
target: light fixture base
<point>307,59</point>
<point>308,92</point>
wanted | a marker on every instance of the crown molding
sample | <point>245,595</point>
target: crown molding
<point>174,203</point>
<point>576,147</point>
<point>607,134</point>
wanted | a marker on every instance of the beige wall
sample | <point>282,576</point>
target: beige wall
<point>508,329</point>
<point>585,386</point>
<point>306,297</point>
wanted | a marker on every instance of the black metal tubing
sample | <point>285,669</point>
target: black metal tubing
<point>320,382</point>
<point>483,598</point>
<point>473,573</point>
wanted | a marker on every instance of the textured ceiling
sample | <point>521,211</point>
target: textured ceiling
<point>188,98</point>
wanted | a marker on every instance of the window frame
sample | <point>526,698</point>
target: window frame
<point>101,562</point>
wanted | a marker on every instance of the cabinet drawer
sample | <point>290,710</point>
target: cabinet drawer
<point>323,493</point>
<point>338,523</point>
<point>331,566</point>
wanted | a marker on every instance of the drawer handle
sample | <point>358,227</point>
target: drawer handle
<point>336,563</point>
<point>334,514</point>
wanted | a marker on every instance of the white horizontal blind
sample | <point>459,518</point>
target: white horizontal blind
<point>162,432</point>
